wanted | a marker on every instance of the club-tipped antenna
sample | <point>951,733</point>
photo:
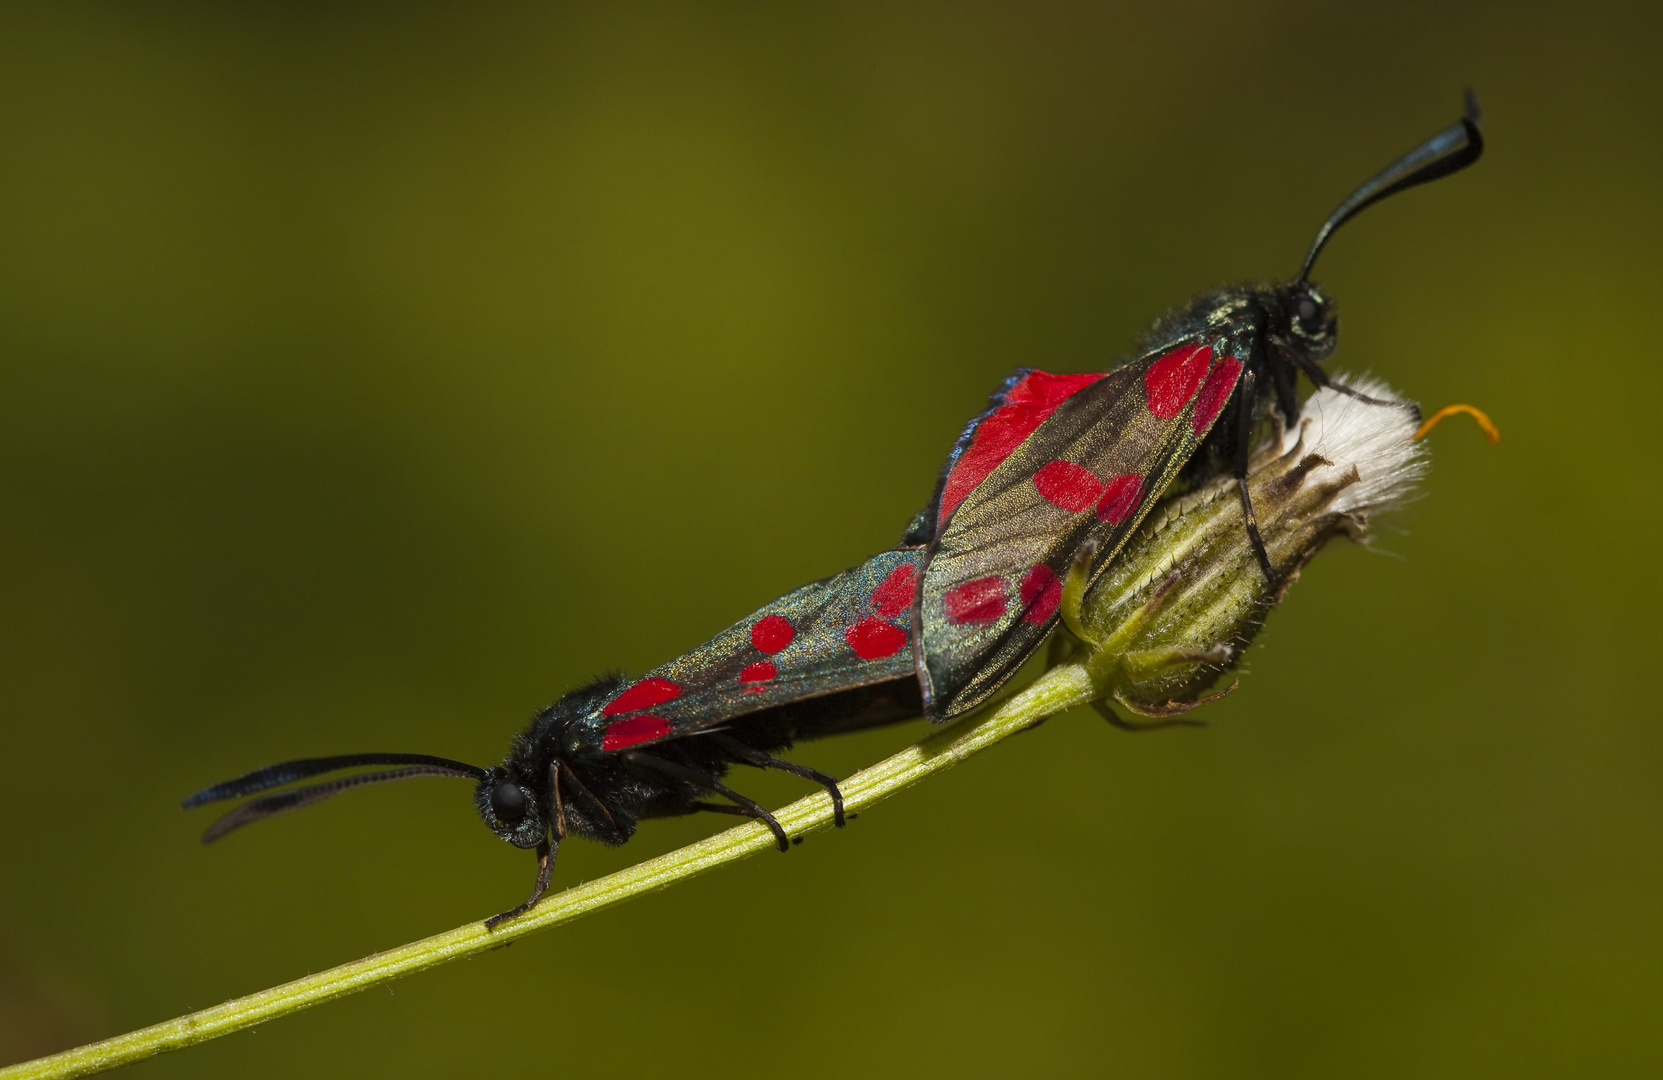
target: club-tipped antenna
<point>289,771</point>
<point>1449,151</point>
<point>295,798</point>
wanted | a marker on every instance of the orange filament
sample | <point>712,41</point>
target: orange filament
<point>1490,431</point>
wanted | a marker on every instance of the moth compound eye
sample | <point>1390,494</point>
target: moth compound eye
<point>508,802</point>
<point>1307,311</point>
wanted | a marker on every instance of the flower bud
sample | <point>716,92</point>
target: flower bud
<point>1185,596</point>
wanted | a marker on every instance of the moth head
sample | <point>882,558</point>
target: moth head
<point>1310,324</point>
<point>509,807</point>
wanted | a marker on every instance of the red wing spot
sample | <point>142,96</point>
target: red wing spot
<point>1120,498</point>
<point>1026,406</point>
<point>873,639</point>
<point>643,695</point>
<point>1214,393</point>
<point>978,601</point>
<point>1041,593</point>
<point>761,671</point>
<point>637,729</point>
<point>1070,486</point>
<point>895,594</point>
<point>772,633</point>
<point>1170,381</point>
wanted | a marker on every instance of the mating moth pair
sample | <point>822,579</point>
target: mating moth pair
<point>1038,498</point>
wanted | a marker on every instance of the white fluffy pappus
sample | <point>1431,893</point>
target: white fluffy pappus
<point>1377,440</point>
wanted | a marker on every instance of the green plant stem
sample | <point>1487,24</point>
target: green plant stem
<point>1055,690</point>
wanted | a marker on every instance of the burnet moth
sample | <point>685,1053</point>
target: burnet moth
<point>1059,461</point>
<point>831,657</point>
<point>976,582</point>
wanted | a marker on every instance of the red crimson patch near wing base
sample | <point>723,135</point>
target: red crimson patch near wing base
<point>1214,393</point>
<point>1172,380</point>
<point>1022,408</point>
<point>643,695</point>
<point>637,729</point>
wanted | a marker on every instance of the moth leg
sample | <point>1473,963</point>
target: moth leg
<point>1319,378</point>
<point>1286,382</point>
<point>737,811</point>
<point>720,808</point>
<point>1244,450</point>
<point>768,761</point>
<point>1108,714</point>
<point>698,779</point>
<point>1074,590</point>
<point>571,774</point>
<point>546,853</point>
<point>559,801</point>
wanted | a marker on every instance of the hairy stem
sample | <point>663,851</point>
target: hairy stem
<point>1055,690</point>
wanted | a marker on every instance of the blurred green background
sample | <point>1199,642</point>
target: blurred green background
<point>370,374</point>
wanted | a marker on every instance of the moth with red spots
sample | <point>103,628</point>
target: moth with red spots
<point>831,657</point>
<point>1062,460</point>
<point>935,625</point>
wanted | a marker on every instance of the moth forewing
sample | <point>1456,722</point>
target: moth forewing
<point>1090,471</point>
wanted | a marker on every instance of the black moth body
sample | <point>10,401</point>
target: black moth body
<point>1062,460</point>
<point>829,658</point>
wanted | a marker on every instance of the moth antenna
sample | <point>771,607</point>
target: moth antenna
<point>297,798</point>
<point>289,771</point>
<point>1449,151</point>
